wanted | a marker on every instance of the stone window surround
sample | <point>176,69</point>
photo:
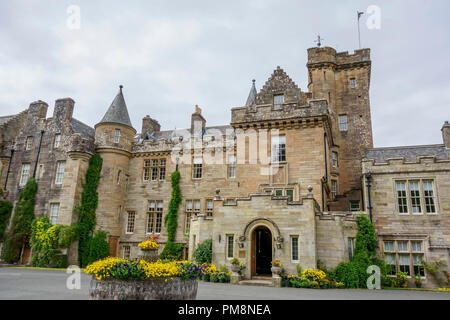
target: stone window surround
<point>126,252</point>
<point>29,143</point>
<point>148,167</point>
<point>154,215</point>
<point>25,168</point>
<point>54,209</point>
<point>422,197</point>
<point>343,125</point>
<point>59,173</point>
<point>280,105</point>
<point>57,141</point>
<point>131,219</point>
<point>117,135</point>
<point>229,246</point>
<point>297,237</point>
<point>197,168</point>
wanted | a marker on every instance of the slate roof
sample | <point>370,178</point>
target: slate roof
<point>252,95</point>
<point>168,134</point>
<point>409,153</point>
<point>117,112</point>
<point>83,129</point>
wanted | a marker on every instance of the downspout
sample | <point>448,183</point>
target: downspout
<point>37,156</point>
<point>325,179</point>
<point>369,180</point>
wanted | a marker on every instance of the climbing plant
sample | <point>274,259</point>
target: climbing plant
<point>20,231</point>
<point>5,213</point>
<point>173,250</point>
<point>86,214</point>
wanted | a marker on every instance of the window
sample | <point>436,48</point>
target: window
<point>401,197</point>
<point>279,192</point>
<point>354,205</point>
<point>415,196</point>
<point>232,167</point>
<point>334,186</point>
<point>154,169</point>
<point>191,206</point>
<point>405,256</point>
<point>154,216</point>
<point>294,248</point>
<point>343,122</point>
<point>126,252</point>
<point>278,148</point>
<point>162,169</point>
<point>54,211</point>
<point>57,142</point>
<point>350,247</point>
<point>25,174</point>
<point>353,83</point>
<point>118,176</point>
<point>196,205</point>
<point>230,246</point>
<point>429,197</point>
<point>278,100</point>
<point>130,221</point>
<point>29,143</point>
<point>187,223</point>
<point>334,159</point>
<point>188,205</point>
<point>60,167</point>
<point>209,207</point>
<point>197,168</point>
<point>290,194</point>
<point>146,175</point>
<point>116,136</point>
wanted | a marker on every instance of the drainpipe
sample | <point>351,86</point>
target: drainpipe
<point>369,180</point>
<point>37,156</point>
<point>9,166</point>
<point>325,178</point>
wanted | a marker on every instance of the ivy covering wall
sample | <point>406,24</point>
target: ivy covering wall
<point>20,231</point>
<point>5,214</point>
<point>173,250</point>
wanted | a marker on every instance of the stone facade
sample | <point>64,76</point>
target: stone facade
<point>285,177</point>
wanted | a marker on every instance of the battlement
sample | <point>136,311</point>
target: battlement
<point>328,55</point>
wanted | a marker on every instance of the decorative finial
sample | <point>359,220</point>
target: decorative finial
<point>319,41</point>
<point>121,86</point>
<point>253,81</point>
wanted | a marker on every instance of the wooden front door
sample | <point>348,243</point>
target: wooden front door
<point>261,251</point>
<point>113,246</point>
<point>26,256</point>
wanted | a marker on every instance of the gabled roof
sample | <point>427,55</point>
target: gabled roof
<point>252,95</point>
<point>117,112</point>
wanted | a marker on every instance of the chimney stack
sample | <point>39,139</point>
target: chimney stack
<point>149,125</point>
<point>198,123</point>
<point>446,134</point>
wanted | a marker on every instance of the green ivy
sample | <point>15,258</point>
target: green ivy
<point>97,248</point>
<point>5,213</point>
<point>173,250</point>
<point>86,216</point>
<point>20,230</point>
<point>203,254</point>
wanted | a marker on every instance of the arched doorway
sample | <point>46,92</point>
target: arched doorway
<point>261,251</point>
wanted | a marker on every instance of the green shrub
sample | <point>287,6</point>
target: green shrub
<point>97,248</point>
<point>20,230</point>
<point>172,251</point>
<point>5,213</point>
<point>223,268</point>
<point>203,254</point>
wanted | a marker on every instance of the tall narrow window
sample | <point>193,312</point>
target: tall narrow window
<point>415,196</point>
<point>130,221</point>
<point>197,168</point>
<point>403,261</point>
<point>294,248</point>
<point>146,174</point>
<point>334,159</point>
<point>150,222</point>
<point>60,167</point>
<point>353,83</point>
<point>389,258</point>
<point>350,247</point>
<point>159,212</point>
<point>162,169</point>
<point>429,196</point>
<point>401,197</point>
<point>343,122</point>
<point>278,100</point>
<point>54,212</point>
<point>29,143</point>
<point>118,176</point>
<point>25,174</point>
<point>278,148</point>
<point>57,141</point>
<point>187,223</point>
<point>116,136</point>
<point>334,187</point>
<point>290,194</point>
<point>126,252</point>
<point>196,205</point>
<point>154,169</point>
<point>232,167</point>
<point>209,207</point>
<point>230,246</point>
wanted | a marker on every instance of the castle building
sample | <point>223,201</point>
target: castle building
<point>283,180</point>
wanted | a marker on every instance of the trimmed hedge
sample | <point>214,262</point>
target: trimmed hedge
<point>203,254</point>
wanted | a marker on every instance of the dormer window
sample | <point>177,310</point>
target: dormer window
<point>117,136</point>
<point>278,100</point>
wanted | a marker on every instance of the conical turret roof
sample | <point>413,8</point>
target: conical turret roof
<point>117,112</point>
<point>252,95</point>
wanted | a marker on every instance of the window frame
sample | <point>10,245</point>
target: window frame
<point>197,168</point>
<point>343,125</point>
<point>276,104</point>
<point>59,175</point>
<point>131,223</point>
<point>117,135</point>
<point>230,245</point>
<point>278,149</point>
<point>51,212</point>
<point>297,251</point>
<point>57,141</point>
<point>21,183</point>
<point>411,268</point>
<point>29,141</point>
<point>422,198</point>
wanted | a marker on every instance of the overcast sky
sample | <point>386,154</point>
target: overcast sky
<point>171,55</point>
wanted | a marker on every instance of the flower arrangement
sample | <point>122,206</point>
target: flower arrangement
<point>276,263</point>
<point>235,261</point>
<point>314,275</point>
<point>117,268</point>
<point>297,281</point>
<point>418,280</point>
<point>150,244</point>
<point>401,279</point>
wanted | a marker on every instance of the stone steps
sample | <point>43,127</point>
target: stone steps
<point>256,282</point>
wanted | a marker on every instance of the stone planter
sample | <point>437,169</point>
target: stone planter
<point>235,268</point>
<point>275,271</point>
<point>148,289</point>
<point>149,255</point>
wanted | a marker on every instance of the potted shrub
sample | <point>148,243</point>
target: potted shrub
<point>235,265</point>
<point>276,268</point>
<point>418,281</point>
<point>401,280</point>
<point>121,279</point>
<point>149,247</point>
